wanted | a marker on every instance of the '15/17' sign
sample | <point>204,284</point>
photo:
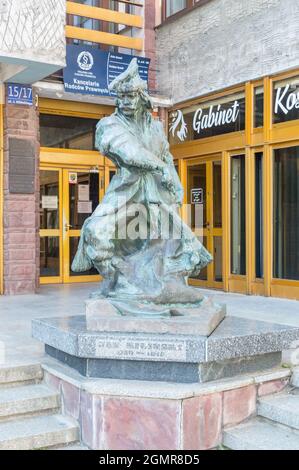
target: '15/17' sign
<point>19,94</point>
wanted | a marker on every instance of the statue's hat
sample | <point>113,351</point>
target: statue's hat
<point>129,80</point>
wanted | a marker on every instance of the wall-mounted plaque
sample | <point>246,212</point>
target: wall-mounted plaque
<point>21,166</point>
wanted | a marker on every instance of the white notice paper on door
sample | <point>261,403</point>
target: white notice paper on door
<point>49,202</point>
<point>84,207</point>
<point>83,192</point>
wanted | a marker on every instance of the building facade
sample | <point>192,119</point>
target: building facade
<point>224,76</point>
<point>51,175</point>
<point>233,75</point>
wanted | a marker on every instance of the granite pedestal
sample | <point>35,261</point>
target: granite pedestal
<point>236,346</point>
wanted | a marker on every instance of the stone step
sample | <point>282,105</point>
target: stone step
<point>27,399</point>
<point>295,377</point>
<point>39,432</point>
<point>75,446</point>
<point>15,375</point>
<point>261,434</point>
<point>282,408</point>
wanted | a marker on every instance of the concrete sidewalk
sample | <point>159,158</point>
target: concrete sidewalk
<point>16,313</point>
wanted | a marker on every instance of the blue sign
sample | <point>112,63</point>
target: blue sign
<point>90,71</point>
<point>19,94</point>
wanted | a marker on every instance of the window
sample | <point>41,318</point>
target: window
<point>238,227</point>
<point>286,213</point>
<point>259,216</point>
<point>258,118</point>
<point>174,6</point>
<point>96,25</point>
<point>67,132</point>
<point>87,23</point>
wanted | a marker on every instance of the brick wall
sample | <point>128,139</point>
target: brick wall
<point>21,212</point>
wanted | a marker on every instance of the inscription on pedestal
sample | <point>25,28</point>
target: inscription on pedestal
<point>141,348</point>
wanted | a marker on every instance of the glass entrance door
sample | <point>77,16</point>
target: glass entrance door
<point>50,225</point>
<point>81,197</point>
<point>204,197</point>
<point>68,198</point>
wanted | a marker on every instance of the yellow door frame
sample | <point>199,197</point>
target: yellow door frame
<point>69,233</point>
<point>55,232</point>
<point>278,287</point>
<point>64,233</point>
<point>77,161</point>
<point>236,282</point>
<point>210,232</point>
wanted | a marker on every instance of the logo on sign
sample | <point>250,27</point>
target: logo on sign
<point>85,61</point>
<point>179,126</point>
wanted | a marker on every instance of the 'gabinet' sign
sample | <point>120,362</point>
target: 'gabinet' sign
<point>286,101</point>
<point>216,116</point>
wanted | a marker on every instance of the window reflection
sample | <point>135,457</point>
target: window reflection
<point>49,199</point>
<point>286,213</point>
<point>67,132</point>
<point>258,107</point>
<point>84,198</point>
<point>174,6</point>
<point>259,216</point>
<point>238,234</point>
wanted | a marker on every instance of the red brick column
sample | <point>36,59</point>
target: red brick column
<point>150,39</point>
<point>21,211</point>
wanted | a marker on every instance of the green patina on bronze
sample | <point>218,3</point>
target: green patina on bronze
<point>146,274</point>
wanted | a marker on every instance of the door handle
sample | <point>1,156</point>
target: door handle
<point>67,227</point>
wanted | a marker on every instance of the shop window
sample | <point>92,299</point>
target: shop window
<point>197,195</point>
<point>258,117</point>
<point>238,226</point>
<point>218,256</point>
<point>286,214</point>
<point>217,194</point>
<point>259,228</point>
<point>286,100</point>
<point>49,200</point>
<point>49,257</point>
<point>67,132</point>
<point>112,173</point>
<point>81,195</point>
<point>209,119</point>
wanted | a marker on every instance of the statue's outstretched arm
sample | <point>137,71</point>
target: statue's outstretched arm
<point>125,150</point>
<point>143,160</point>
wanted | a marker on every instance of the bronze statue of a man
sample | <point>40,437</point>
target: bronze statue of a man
<point>145,271</point>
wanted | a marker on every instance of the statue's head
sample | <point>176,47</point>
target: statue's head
<point>131,91</point>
